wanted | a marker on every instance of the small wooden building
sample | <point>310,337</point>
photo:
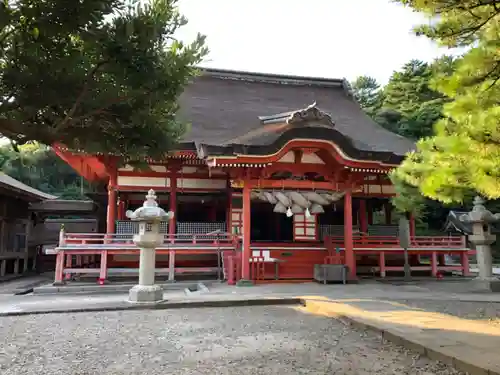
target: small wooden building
<point>288,171</point>
<point>16,254</point>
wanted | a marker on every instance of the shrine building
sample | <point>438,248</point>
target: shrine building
<point>274,175</point>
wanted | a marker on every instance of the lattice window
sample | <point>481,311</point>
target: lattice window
<point>201,228</point>
<point>304,228</point>
<point>127,227</point>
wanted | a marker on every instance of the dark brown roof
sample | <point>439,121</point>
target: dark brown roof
<point>228,107</point>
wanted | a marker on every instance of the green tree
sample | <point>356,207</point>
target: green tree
<point>97,75</point>
<point>367,92</point>
<point>408,105</point>
<point>38,166</point>
<point>463,156</point>
<point>411,106</point>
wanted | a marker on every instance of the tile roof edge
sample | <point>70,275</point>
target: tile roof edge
<point>275,78</point>
<point>18,185</point>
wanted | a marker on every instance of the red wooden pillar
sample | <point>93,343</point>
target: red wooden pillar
<point>229,196</point>
<point>363,218</point>
<point>350,258</point>
<point>111,214</point>
<point>246,253</point>
<point>172,223</point>
<point>388,213</point>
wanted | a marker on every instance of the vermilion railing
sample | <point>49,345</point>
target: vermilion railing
<point>75,239</point>
<point>257,268</point>
<point>87,253</point>
<point>452,242</point>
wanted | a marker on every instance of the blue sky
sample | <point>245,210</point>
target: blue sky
<point>321,38</point>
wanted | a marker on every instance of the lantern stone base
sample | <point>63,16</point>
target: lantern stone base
<point>145,294</point>
<point>490,285</point>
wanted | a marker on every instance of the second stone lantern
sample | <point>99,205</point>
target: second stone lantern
<point>481,219</point>
<point>149,217</point>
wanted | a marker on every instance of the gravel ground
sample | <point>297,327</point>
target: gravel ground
<point>257,340</point>
<point>486,311</point>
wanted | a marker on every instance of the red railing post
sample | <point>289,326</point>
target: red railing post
<point>464,262</point>
<point>237,267</point>
<point>381,263</point>
<point>69,260</point>
<point>434,267</point>
<point>231,271</point>
<point>103,271</point>
<point>257,268</point>
<point>59,274</point>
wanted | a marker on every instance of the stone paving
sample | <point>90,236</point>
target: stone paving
<point>255,340</point>
<point>427,317</point>
<point>224,292</point>
<point>469,345</point>
<point>486,312</point>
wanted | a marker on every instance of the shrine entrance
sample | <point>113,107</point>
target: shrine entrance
<point>269,226</point>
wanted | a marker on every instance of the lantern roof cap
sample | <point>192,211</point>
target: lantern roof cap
<point>149,211</point>
<point>479,213</point>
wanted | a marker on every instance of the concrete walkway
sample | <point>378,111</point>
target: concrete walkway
<point>220,292</point>
<point>469,345</point>
<point>25,283</point>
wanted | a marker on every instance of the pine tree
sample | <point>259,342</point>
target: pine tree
<point>368,94</point>
<point>464,153</point>
<point>411,106</point>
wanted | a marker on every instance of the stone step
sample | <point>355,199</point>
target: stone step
<point>87,288</point>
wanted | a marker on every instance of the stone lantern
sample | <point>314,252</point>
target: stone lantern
<point>481,219</point>
<point>149,216</point>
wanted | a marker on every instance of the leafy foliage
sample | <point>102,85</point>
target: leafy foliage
<point>97,75</point>
<point>38,166</point>
<point>463,157</point>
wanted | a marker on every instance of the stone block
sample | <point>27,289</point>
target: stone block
<point>146,294</point>
<point>486,285</point>
<point>391,337</point>
<point>469,367</point>
<point>413,345</point>
<point>439,355</point>
<point>495,286</point>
